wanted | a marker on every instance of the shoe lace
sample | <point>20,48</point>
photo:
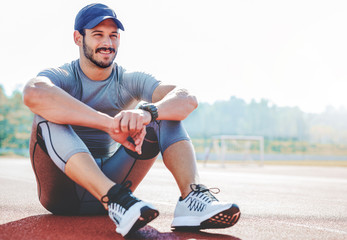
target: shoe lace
<point>204,193</point>
<point>121,195</point>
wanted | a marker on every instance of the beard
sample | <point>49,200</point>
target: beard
<point>89,53</point>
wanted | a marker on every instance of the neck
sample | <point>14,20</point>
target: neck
<point>94,72</point>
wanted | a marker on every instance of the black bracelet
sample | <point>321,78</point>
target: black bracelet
<point>152,109</point>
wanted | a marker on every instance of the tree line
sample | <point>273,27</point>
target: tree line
<point>15,123</point>
<point>236,117</point>
<point>231,117</point>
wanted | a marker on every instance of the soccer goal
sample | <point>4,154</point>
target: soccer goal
<point>236,148</point>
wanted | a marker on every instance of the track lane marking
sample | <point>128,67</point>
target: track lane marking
<point>21,179</point>
<point>314,227</point>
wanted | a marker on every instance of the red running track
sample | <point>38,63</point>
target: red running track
<point>277,202</point>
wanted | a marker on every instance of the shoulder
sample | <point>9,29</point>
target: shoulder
<point>139,84</point>
<point>61,76</point>
<point>131,75</point>
<point>138,80</point>
<point>65,70</point>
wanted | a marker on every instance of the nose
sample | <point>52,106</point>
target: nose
<point>107,41</point>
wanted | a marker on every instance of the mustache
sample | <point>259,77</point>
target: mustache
<point>105,49</point>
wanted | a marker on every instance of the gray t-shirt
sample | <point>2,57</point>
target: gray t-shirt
<point>122,90</point>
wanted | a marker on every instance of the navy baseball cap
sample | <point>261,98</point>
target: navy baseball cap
<point>93,14</point>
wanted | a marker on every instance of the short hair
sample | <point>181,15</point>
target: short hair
<point>82,32</point>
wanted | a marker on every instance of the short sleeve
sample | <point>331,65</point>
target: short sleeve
<point>63,77</point>
<point>140,85</point>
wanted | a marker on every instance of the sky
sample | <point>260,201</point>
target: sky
<point>292,53</point>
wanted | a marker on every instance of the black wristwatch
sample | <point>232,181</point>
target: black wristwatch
<point>152,109</point>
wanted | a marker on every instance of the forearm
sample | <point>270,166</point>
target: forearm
<point>176,105</point>
<point>55,105</point>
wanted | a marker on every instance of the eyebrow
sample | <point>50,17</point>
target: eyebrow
<point>98,31</point>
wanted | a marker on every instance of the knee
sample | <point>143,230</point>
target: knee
<point>150,146</point>
<point>171,132</point>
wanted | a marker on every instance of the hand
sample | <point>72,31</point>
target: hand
<point>130,123</point>
<point>138,140</point>
<point>122,138</point>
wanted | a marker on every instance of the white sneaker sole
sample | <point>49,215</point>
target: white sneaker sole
<point>221,218</point>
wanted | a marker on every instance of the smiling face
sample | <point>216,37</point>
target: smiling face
<point>100,44</point>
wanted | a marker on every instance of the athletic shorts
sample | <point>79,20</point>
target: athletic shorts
<point>53,144</point>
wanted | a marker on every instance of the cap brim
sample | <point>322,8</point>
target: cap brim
<point>98,20</point>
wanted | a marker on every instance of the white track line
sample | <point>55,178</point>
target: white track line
<point>270,177</point>
<point>314,227</point>
<point>21,179</point>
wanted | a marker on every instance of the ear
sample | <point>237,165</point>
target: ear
<point>78,38</point>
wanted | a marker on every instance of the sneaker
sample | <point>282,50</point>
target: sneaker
<point>201,210</point>
<point>126,211</point>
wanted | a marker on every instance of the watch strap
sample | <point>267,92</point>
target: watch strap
<point>152,109</point>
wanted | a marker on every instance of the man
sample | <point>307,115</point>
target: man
<point>84,108</point>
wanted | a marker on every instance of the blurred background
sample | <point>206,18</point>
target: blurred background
<point>274,70</point>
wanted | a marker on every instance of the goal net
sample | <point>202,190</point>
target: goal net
<point>236,148</point>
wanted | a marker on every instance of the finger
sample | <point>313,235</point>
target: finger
<point>140,123</point>
<point>132,124</point>
<point>124,123</point>
<point>138,147</point>
<point>116,123</point>
<point>129,146</point>
<point>143,132</point>
<point>140,136</point>
<point>139,140</point>
<point>134,136</point>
